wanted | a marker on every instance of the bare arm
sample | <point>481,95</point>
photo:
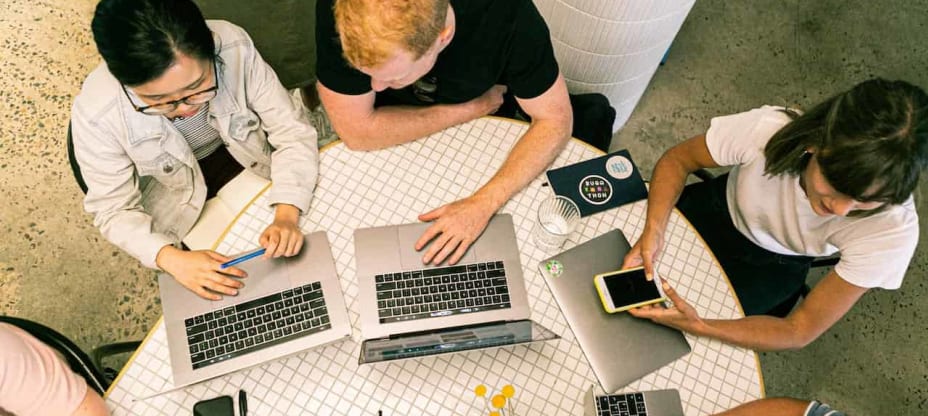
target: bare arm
<point>458,224</point>
<point>363,127</point>
<point>667,184</point>
<point>774,406</point>
<point>829,301</point>
<point>552,119</point>
<point>92,405</point>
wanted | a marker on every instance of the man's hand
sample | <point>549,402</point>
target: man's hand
<point>283,237</point>
<point>200,271</point>
<point>490,101</point>
<point>455,227</point>
<point>645,251</point>
<point>680,315</point>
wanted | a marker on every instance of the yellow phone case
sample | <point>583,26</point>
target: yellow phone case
<point>602,297</point>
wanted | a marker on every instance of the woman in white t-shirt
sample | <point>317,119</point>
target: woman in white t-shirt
<point>837,179</point>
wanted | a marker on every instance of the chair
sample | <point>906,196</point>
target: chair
<point>89,367</point>
<point>75,168</point>
<point>787,305</point>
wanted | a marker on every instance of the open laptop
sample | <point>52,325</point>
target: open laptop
<point>410,310</point>
<point>288,304</point>
<point>645,403</point>
<point>619,347</point>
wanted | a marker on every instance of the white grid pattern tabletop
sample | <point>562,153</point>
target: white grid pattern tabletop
<point>393,186</point>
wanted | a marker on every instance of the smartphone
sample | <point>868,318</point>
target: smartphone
<point>622,290</point>
<point>217,406</point>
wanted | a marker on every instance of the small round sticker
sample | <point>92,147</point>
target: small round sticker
<point>619,167</point>
<point>554,267</point>
<point>595,189</point>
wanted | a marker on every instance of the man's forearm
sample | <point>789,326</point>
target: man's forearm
<point>393,125</point>
<point>531,155</point>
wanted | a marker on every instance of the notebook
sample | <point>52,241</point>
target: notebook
<point>221,210</point>
<point>599,184</point>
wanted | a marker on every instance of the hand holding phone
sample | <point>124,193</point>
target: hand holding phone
<point>622,290</point>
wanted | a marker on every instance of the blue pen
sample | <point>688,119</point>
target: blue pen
<point>243,258</point>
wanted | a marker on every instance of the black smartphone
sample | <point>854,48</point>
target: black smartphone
<point>217,406</point>
<point>622,290</point>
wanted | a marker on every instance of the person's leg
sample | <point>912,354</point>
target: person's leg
<point>762,280</point>
<point>593,117</point>
<point>218,169</point>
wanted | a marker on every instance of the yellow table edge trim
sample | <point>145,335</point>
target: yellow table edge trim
<point>760,374</point>
<point>132,357</point>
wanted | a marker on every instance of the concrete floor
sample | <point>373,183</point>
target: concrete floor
<point>729,57</point>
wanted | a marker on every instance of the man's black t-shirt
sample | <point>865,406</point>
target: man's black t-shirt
<point>502,42</point>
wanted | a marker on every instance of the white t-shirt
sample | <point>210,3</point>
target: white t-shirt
<point>774,212</point>
<point>34,380</point>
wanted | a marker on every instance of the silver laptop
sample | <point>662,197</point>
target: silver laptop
<point>287,306</point>
<point>409,309</point>
<point>619,347</point>
<point>646,403</point>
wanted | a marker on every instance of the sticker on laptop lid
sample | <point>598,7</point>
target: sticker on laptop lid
<point>619,167</point>
<point>554,268</point>
<point>595,189</point>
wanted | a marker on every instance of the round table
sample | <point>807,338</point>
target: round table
<point>394,186</point>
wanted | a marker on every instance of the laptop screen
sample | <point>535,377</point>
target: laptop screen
<point>452,340</point>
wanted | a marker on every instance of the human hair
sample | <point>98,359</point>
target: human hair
<point>371,30</point>
<point>140,39</point>
<point>873,135</point>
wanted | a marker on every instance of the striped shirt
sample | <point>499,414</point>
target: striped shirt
<point>201,136</point>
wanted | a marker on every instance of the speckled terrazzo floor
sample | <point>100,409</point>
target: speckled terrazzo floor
<point>55,266</point>
<point>730,56</point>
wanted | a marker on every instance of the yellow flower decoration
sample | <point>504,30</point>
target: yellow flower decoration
<point>509,391</point>
<point>494,413</point>
<point>498,401</point>
<point>480,390</point>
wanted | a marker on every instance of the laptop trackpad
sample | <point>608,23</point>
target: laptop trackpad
<point>264,278</point>
<point>410,259</point>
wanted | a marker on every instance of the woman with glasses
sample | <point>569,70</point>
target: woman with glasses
<point>836,179</point>
<point>180,107</point>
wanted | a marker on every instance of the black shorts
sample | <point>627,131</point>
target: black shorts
<point>762,279</point>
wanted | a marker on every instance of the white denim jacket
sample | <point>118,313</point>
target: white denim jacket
<point>145,187</point>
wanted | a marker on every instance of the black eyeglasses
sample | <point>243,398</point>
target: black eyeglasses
<point>196,98</point>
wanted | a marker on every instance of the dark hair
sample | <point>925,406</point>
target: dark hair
<point>875,134</point>
<point>139,39</point>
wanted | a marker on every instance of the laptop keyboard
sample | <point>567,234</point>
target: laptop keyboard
<point>441,291</point>
<point>250,326</point>
<point>631,404</point>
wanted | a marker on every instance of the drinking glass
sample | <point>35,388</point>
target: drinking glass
<point>557,218</point>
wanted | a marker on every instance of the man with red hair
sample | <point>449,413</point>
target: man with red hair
<point>393,71</point>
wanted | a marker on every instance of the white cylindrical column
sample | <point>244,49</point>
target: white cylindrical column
<point>612,47</point>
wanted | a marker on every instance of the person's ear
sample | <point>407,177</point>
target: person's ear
<point>445,35</point>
